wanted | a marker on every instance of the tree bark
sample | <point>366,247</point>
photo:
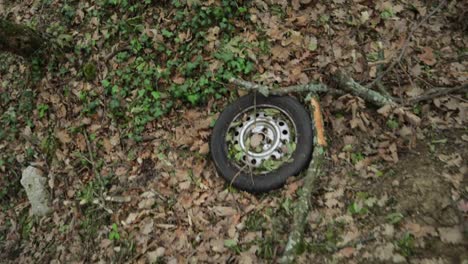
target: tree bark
<point>19,39</point>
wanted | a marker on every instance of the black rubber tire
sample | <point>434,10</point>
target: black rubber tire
<point>275,179</point>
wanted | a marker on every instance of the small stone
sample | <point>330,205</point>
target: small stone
<point>172,261</point>
<point>35,184</point>
<point>160,251</point>
<point>389,230</point>
<point>396,183</point>
<point>156,255</point>
<point>397,258</point>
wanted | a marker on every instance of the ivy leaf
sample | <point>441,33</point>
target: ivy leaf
<point>313,43</point>
<point>230,243</point>
<point>156,95</point>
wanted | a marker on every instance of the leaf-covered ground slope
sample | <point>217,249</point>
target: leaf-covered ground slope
<point>119,120</point>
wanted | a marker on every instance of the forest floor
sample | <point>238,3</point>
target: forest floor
<point>119,121</point>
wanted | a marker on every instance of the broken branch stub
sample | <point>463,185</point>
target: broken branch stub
<point>19,39</point>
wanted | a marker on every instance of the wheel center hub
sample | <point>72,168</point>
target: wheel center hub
<point>262,137</point>
<point>256,140</point>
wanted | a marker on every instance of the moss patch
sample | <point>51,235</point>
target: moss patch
<point>89,71</point>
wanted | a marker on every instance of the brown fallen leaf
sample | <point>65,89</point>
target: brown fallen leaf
<point>224,210</point>
<point>279,53</point>
<point>451,160</point>
<point>81,142</point>
<point>107,145</point>
<point>452,235</point>
<point>247,258</point>
<point>184,185</point>
<point>178,80</point>
<point>293,37</point>
<point>217,245</point>
<point>131,218</point>
<point>465,137</point>
<point>347,252</point>
<point>413,91</point>
<point>412,118</point>
<point>419,231</point>
<point>204,149</point>
<point>385,110</point>
<point>63,136</point>
<point>154,256</point>
<point>427,56</point>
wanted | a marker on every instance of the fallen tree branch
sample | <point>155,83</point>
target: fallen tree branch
<point>310,87</point>
<point>344,81</point>
<point>438,92</point>
<point>347,83</point>
<point>266,91</point>
<point>303,204</point>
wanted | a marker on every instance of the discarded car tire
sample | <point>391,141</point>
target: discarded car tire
<point>258,142</point>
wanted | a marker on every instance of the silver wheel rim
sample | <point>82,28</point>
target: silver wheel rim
<point>262,133</point>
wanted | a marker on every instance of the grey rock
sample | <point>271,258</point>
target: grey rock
<point>35,185</point>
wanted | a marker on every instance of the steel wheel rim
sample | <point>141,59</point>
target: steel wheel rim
<point>275,132</point>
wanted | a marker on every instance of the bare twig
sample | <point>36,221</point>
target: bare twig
<point>438,92</point>
<point>458,98</point>
<point>115,52</point>
<point>406,43</point>
<point>239,208</point>
<point>95,170</point>
<point>380,86</point>
<point>237,174</point>
<point>354,243</point>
